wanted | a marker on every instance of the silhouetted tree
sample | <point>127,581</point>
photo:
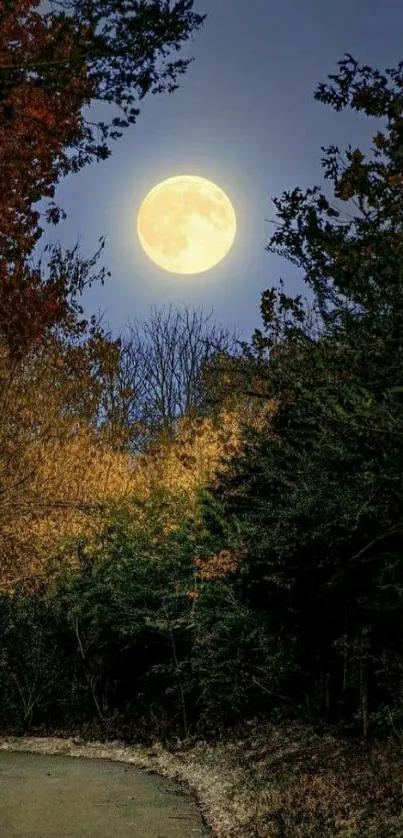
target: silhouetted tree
<point>159,379</point>
<point>322,493</point>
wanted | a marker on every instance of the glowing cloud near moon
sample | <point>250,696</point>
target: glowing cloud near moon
<point>186,224</point>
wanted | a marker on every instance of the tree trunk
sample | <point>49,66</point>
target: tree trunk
<point>364,683</point>
<point>342,702</point>
<point>327,695</point>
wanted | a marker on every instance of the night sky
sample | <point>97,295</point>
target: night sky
<point>244,117</point>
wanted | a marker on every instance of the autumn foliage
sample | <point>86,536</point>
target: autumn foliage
<point>57,471</point>
<point>38,120</point>
<point>53,460</point>
<point>51,66</point>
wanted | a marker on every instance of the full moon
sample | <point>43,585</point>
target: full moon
<point>186,224</point>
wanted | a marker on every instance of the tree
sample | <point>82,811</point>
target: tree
<point>63,63</point>
<point>59,471</point>
<point>241,378</point>
<point>321,495</point>
<point>37,121</point>
<point>53,468</point>
<point>159,379</point>
<point>32,309</point>
<point>51,67</point>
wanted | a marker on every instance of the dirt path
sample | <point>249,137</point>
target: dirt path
<point>68,797</point>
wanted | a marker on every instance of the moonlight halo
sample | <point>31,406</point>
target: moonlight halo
<point>186,224</point>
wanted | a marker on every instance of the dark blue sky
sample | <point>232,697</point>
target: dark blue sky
<point>244,116</point>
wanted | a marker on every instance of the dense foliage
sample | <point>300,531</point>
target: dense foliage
<point>322,505</point>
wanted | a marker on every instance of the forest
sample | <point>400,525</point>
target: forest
<point>196,530</point>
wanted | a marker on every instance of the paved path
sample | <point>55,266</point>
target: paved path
<point>69,797</point>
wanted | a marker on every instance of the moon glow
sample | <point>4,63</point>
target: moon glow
<point>186,224</point>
